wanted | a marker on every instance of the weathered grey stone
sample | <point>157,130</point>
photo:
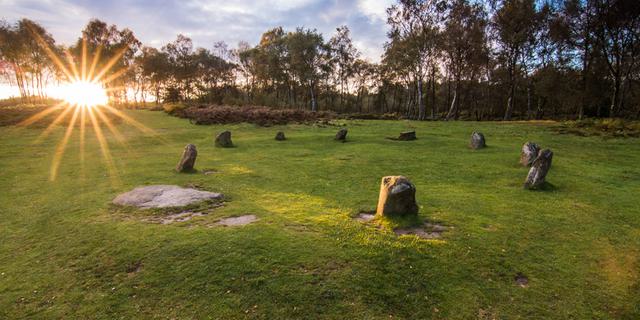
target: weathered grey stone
<point>223,140</point>
<point>188,159</point>
<point>407,136</point>
<point>163,196</point>
<point>237,221</point>
<point>397,197</point>
<point>342,135</point>
<point>280,136</point>
<point>477,141</point>
<point>529,153</point>
<point>539,170</point>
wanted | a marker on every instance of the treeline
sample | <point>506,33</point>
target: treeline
<point>492,59</point>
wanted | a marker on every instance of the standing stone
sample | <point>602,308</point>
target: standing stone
<point>539,170</point>
<point>188,159</point>
<point>407,136</point>
<point>341,135</point>
<point>477,141</point>
<point>529,153</point>
<point>280,136</point>
<point>223,140</point>
<point>397,197</point>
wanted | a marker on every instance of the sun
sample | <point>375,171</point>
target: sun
<point>85,103</point>
<point>82,93</point>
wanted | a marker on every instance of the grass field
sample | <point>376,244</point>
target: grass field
<point>66,252</point>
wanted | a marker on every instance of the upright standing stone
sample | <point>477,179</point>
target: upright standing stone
<point>280,136</point>
<point>341,135</point>
<point>477,141</point>
<point>407,136</point>
<point>539,170</point>
<point>223,140</point>
<point>529,153</point>
<point>188,159</point>
<point>397,197</point>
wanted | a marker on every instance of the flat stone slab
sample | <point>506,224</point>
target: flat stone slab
<point>164,196</point>
<point>237,221</point>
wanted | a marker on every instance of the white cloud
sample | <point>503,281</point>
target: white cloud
<point>375,9</point>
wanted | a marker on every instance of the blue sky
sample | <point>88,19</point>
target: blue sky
<point>206,21</point>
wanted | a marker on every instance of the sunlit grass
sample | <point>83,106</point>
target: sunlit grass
<point>307,257</point>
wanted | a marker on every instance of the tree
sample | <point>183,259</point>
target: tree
<point>307,57</point>
<point>618,33</point>
<point>106,54</point>
<point>27,47</point>
<point>182,66</point>
<point>344,55</point>
<point>573,28</point>
<point>515,24</point>
<point>155,69</point>
<point>464,43</point>
<point>413,41</point>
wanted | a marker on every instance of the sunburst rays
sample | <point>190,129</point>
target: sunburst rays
<point>79,107</point>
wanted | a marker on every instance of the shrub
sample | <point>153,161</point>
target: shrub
<point>174,107</point>
<point>614,127</point>
<point>262,116</point>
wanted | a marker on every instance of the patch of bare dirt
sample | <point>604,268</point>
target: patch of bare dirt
<point>175,217</point>
<point>426,231</point>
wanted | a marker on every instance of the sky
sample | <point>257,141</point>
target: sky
<point>157,22</point>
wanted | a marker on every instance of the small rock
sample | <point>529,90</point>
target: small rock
<point>223,140</point>
<point>529,153</point>
<point>539,170</point>
<point>521,280</point>
<point>280,136</point>
<point>407,136</point>
<point>163,196</point>
<point>341,135</point>
<point>477,141</point>
<point>188,159</point>
<point>397,197</point>
<point>365,216</point>
<point>237,221</point>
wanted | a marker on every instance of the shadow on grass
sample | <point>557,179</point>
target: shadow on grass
<point>188,171</point>
<point>546,187</point>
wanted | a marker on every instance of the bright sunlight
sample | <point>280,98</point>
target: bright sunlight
<point>82,93</point>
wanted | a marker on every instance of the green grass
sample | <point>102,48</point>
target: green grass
<point>65,252</point>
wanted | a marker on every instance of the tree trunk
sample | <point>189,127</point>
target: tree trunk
<point>421,108</point>
<point>509,111</point>
<point>585,66</point>
<point>434,106</point>
<point>453,110</point>
<point>314,105</point>
<point>529,111</point>
<point>615,97</point>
